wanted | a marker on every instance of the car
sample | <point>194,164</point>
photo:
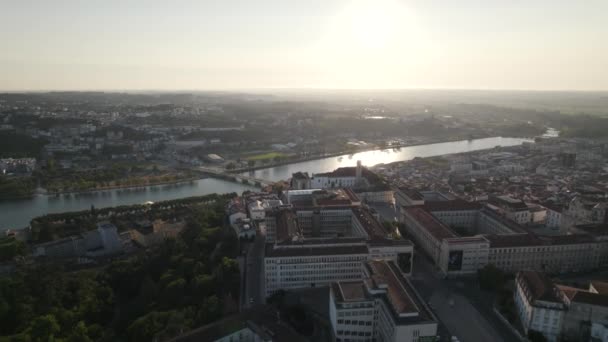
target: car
<point>251,300</point>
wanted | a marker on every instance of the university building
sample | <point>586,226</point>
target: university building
<point>381,306</point>
<point>462,237</point>
<point>560,312</point>
<point>323,236</point>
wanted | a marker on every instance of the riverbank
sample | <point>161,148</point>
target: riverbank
<point>120,187</point>
<point>18,213</point>
<point>350,153</point>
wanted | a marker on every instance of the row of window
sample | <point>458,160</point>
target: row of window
<point>316,259</point>
<point>354,322</point>
<point>354,313</point>
<point>316,266</point>
<point>353,333</point>
<point>313,279</point>
<point>356,305</point>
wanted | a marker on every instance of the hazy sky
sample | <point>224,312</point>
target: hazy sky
<point>225,44</point>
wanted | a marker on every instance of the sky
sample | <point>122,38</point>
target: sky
<point>341,44</point>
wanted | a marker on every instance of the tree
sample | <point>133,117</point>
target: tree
<point>146,327</point>
<point>203,286</point>
<point>230,166</point>
<point>209,310</point>
<point>44,328</point>
<point>79,333</point>
<point>536,336</point>
<point>491,278</point>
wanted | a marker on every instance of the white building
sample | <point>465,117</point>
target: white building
<point>514,209</point>
<point>344,177</point>
<point>319,262</point>
<point>463,256</point>
<point>539,304</point>
<point>100,242</point>
<point>554,216</point>
<point>382,306</point>
<point>312,265</point>
<point>508,245</point>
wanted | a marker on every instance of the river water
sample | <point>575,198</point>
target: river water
<point>371,158</point>
<point>18,213</point>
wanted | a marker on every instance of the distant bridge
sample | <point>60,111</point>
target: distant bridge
<point>223,174</point>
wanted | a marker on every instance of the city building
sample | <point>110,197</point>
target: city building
<point>561,312</point>
<point>322,236</point>
<point>514,209</point>
<point>539,303</point>
<point>381,306</point>
<point>259,324</point>
<point>95,243</point>
<point>368,186</point>
<point>319,262</point>
<point>461,237</point>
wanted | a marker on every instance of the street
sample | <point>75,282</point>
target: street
<point>252,276</point>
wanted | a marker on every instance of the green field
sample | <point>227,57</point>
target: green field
<point>265,156</point>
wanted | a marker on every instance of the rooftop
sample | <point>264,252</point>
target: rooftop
<point>439,230</point>
<point>371,225</point>
<point>596,230</point>
<point>383,277</point>
<point>350,171</point>
<point>514,226</point>
<point>577,295</point>
<point>539,286</point>
<point>406,304</point>
<point>262,319</point>
<point>512,240</point>
<point>300,175</point>
<point>304,250</point>
<point>350,291</point>
<point>600,287</point>
<point>321,198</point>
<point>411,193</point>
<point>452,205</point>
<point>506,201</point>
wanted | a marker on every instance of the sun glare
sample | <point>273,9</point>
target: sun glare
<point>372,24</point>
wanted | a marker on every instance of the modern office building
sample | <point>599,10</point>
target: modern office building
<point>381,306</point>
<point>320,262</point>
<point>323,236</point>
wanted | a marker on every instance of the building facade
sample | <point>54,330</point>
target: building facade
<point>382,306</point>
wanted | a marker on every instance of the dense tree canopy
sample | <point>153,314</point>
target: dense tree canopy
<point>186,282</point>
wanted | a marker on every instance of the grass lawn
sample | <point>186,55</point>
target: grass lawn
<point>270,155</point>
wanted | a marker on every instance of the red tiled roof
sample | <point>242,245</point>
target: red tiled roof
<point>373,228</point>
<point>539,285</point>
<point>512,240</point>
<point>439,230</point>
<point>452,205</point>
<point>397,294</point>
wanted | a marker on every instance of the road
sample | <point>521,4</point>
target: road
<point>252,275</point>
<point>462,309</point>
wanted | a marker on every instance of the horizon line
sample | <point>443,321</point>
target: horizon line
<point>236,90</point>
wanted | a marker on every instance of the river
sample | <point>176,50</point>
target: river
<point>370,158</point>
<point>18,213</point>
